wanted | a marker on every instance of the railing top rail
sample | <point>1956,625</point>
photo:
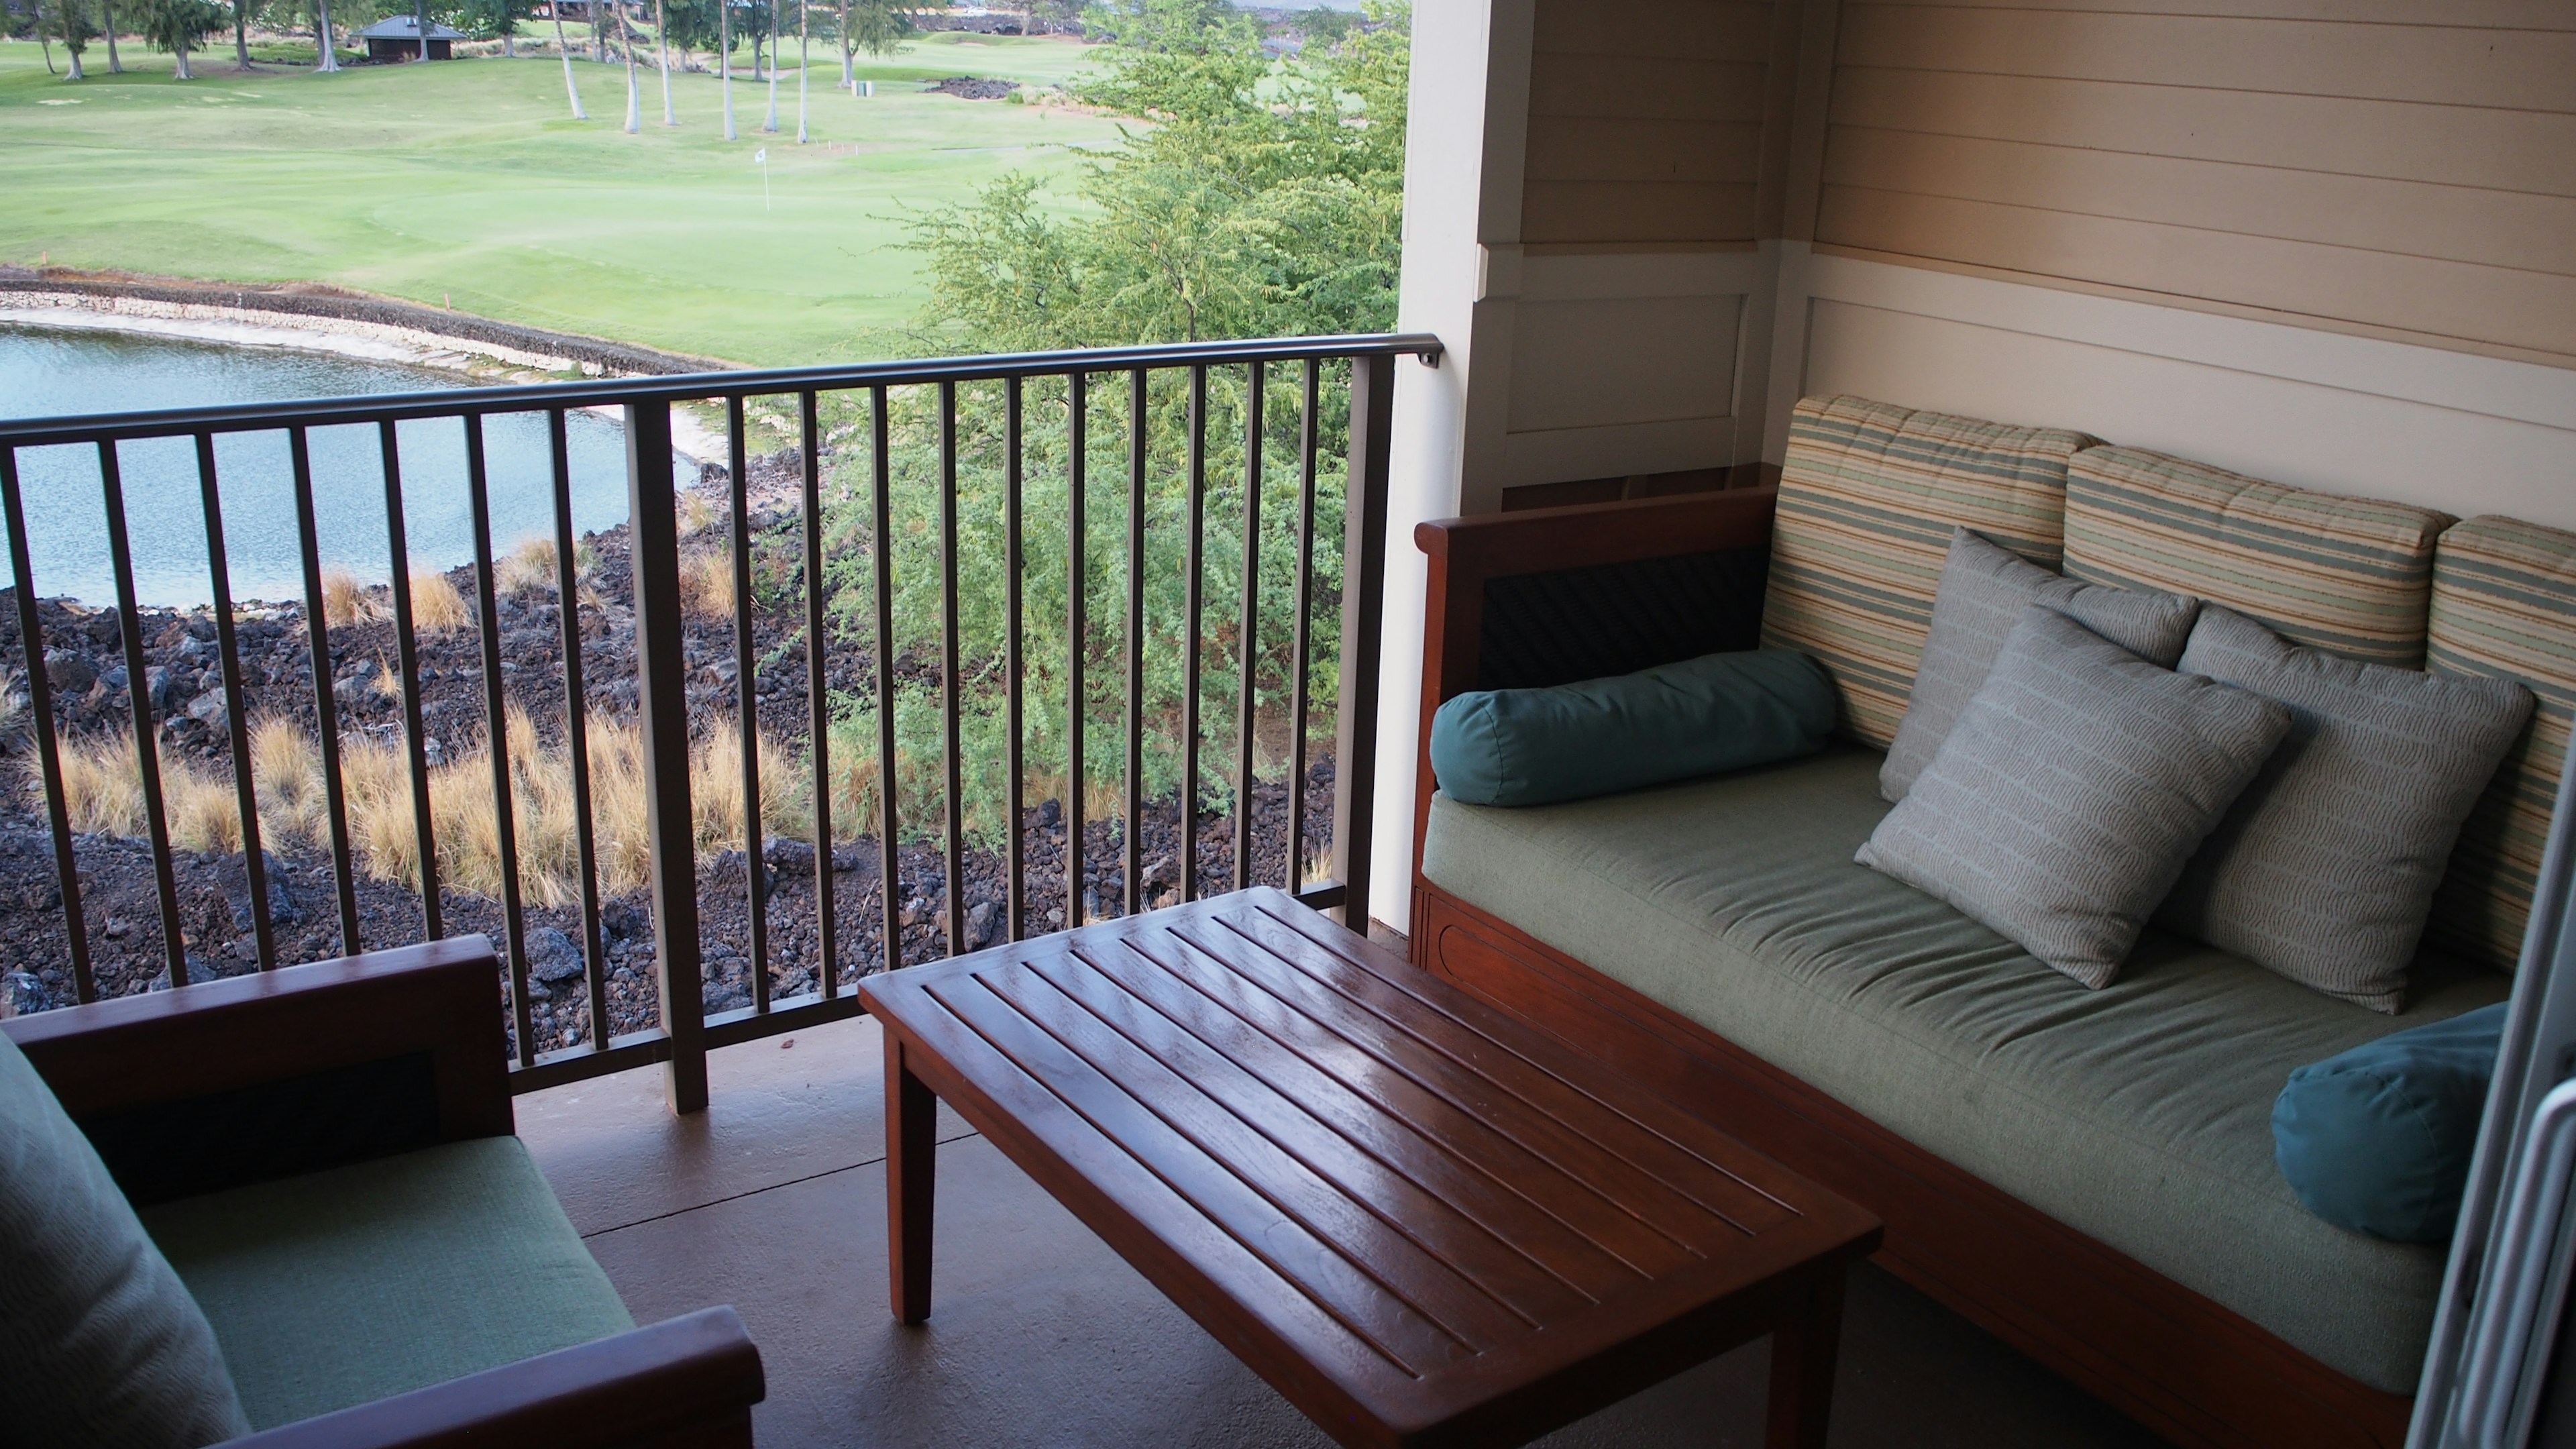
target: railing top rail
<point>686,387</point>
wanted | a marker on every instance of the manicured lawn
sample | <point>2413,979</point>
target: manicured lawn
<point>468,184</point>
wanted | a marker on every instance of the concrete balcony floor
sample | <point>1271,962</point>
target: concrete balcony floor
<point>773,1200</point>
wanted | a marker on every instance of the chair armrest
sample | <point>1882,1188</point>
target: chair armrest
<point>690,1381</point>
<point>222,1083</point>
<point>1466,553</point>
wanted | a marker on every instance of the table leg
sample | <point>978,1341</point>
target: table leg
<point>1802,1366</point>
<point>912,1146</point>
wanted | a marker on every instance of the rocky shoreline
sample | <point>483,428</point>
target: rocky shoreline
<point>86,662</point>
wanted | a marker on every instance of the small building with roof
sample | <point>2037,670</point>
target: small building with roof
<point>397,38</point>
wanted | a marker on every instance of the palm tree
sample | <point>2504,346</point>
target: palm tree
<point>326,55</point>
<point>724,58</point>
<point>634,97</point>
<point>804,61</point>
<point>563,49</point>
<point>849,74</point>
<point>771,125</point>
<point>662,43</point>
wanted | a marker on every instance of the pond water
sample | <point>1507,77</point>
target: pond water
<point>46,372</point>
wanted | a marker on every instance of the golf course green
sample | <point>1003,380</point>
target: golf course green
<point>467,184</point>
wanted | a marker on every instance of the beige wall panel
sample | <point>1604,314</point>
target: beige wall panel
<point>2445,299</point>
<point>1646,87</point>
<point>2502,14</point>
<point>2518,70</point>
<point>1622,361</point>
<point>2296,432</point>
<point>2449,145</point>
<point>2454,223</point>
<point>1599,148</point>
<point>1554,212</point>
<point>1699,29</point>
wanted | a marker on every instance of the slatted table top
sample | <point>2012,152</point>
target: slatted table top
<point>1420,1219</point>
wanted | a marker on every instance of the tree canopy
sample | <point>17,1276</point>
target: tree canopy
<point>1252,196</point>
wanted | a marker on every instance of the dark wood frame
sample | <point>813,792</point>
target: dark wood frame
<point>688,1382</point>
<point>2189,1368</point>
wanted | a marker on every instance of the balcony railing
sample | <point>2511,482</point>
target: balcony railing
<point>992,485</point>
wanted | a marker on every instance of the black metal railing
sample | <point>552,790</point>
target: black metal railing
<point>850,523</point>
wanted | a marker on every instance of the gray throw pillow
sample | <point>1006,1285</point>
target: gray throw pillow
<point>2324,869</point>
<point>1984,590</point>
<point>100,1343</point>
<point>2071,792</point>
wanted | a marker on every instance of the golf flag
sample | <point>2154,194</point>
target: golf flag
<point>760,157</point>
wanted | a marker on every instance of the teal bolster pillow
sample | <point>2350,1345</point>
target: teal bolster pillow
<point>2378,1139</point>
<point>1672,722</point>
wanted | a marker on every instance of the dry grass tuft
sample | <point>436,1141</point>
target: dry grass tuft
<point>706,584</point>
<point>346,602</point>
<point>696,514</point>
<point>530,567</point>
<point>102,790</point>
<point>436,605</point>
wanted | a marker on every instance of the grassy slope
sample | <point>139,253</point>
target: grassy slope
<point>467,183</point>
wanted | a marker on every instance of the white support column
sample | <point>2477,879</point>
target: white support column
<point>1462,193</point>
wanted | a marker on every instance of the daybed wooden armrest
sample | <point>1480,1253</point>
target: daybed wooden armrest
<point>1466,554</point>
<point>680,1384</point>
<point>223,1083</point>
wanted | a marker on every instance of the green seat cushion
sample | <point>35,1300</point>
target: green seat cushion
<point>100,1345</point>
<point>343,1287</point>
<point>2139,1114</point>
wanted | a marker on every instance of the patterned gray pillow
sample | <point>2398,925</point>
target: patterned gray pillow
<point>2072,790</point>
<point>1984,589</point>
<point>2325,867</point>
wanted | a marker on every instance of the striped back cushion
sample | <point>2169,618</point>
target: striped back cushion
<point>2504,603</point>
<point>1869,494</point>
<point>2346,574</point>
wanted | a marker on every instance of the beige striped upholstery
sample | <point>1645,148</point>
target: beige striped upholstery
<point>1869,495</point>
<point>2504,603</point>
<point>2344,574</point>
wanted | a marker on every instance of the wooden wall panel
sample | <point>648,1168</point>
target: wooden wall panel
<point>2372,163</point>
<point>1647,122</point>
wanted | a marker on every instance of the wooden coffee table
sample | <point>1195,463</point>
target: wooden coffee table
<point>1422,1221</point>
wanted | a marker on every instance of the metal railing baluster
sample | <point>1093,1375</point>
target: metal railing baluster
<point>40,705</point>
<point>1132,867</point>
<point>326,711</point>
<point>1077,530</point>
<point>1015,802</point>
<point>496,738</point>
<point>577,730</point>
<point>755,870</point>
<point>1193,600</point>
<point>1297,699</point>
<point>952,755</point>
<point>147,757</point>
<point>881,541</point>
<point>236,714</point>
<point>1247,645</point>
<point>407,658</point>
<point>662,697</point>
<point>818,701</point>
<point>1363,610</point>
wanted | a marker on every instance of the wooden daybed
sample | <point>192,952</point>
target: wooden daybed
<point>1554,595</point>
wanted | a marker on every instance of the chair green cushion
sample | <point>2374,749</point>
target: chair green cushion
<point>1672,722</point>
<point>343,1287</point>
<point>2139,1114</point>
<point>100,1343</point>
<point>2378,1139</point>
